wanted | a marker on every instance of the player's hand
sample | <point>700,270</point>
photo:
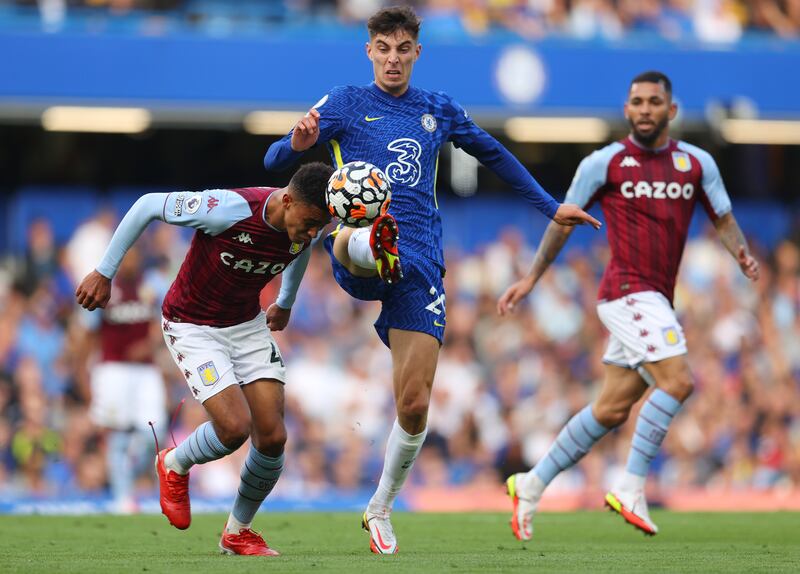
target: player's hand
<point>94,291</point>
<point>569,214</point>
<point>507,303</point>
<point>277,317</point>
<point>306,131</point>
<point>748,264</point>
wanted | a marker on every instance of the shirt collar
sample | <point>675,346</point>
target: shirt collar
<point>651,150</point>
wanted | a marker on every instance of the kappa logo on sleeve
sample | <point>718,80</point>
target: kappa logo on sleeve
<point>212,203</point>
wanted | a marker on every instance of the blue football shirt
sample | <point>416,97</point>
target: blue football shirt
<point>403,136</point>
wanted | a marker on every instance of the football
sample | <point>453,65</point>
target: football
<point>358,192</point>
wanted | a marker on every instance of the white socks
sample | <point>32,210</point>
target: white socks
<point>233,526</point>
<point>401,451</point>
<point>359,250</point>
<point>531,485</point>
<point>630,482</point>
<point>171,463</point>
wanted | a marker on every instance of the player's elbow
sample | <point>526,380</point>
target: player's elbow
<point>269,158</point>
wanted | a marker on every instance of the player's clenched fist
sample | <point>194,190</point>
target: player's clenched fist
<point>94,291</point>
<point>306,131</point>
<point>277,317</point>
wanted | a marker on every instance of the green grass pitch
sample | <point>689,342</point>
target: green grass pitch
<point>333,542</point>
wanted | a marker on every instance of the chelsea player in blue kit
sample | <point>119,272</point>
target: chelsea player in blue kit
<point>400,128</point>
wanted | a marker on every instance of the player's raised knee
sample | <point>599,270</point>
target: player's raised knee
<point>679,386</point>
<point>233,431</point>
<point>611,416</point>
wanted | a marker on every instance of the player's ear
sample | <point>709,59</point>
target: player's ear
<point>368,48</point>
<point>418,50</point>
<point>673,111</point>
<point>287,198</point>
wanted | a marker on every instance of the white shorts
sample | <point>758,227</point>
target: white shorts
<point>127,396</point>
<point>643,329</point>
<point>214,358</point>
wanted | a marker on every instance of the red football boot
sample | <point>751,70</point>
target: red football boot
<point>383,241</point>
<point>174,494</point>
<point>246,543</point>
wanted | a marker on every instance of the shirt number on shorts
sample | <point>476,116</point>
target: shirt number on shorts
<point>275,357</point>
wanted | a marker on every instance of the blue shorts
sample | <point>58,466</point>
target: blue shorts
<point>416,303</point>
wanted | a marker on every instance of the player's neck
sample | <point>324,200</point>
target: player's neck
<point>659,145</point>
<point>273,211</point>
<point>399,92</point>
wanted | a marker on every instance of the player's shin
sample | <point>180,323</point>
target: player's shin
<point>651,427</point>
<point>572,443</point>
<point>401,452</point>
<point>359,249</point>
<point>200,447</point>
<point>258,477</point>
<point>121,470</point>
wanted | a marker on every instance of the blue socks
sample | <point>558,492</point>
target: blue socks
<point>200,446</point>
<point>651,427</point>
<point>259,475</point>
<point>571,444</point>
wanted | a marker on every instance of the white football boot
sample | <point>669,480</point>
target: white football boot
<point>381,533</point>
<point>632,506</point>
<point>524,506</point>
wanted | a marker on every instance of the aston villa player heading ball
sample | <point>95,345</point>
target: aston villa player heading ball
<point>217,333</point>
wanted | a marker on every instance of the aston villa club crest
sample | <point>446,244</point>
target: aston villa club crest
<point>208,373</point>
<point>296,248</point>
<point>671,336</point>
<point>681,161</point>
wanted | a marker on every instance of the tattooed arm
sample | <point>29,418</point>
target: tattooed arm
<point>553,241</point>
<point>733,239</point>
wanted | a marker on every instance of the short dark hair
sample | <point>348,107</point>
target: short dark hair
<point>390,20</point>
<point>654,77</point>
<point>309,183</point>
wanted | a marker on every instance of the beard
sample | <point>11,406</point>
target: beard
<point>648,139</point>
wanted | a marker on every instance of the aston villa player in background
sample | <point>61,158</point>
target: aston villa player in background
<point>217,333</point>
<point>647,185</point>
<point>127,387</point>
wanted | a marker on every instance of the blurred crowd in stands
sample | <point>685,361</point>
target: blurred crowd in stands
<point>504,387</point>
<point>704,20</point>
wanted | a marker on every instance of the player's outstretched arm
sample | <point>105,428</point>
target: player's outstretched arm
<point>95,289</point>
<point>555,236</point>
<point>569,214</point>
<point>734,241</point>
<point>279,312</point>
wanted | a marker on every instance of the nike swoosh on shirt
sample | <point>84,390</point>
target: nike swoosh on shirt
<point>438,324</point>
<point>369,119</point>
